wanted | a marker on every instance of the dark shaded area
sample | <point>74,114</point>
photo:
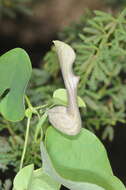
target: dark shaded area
<point>63,188</point>
<point>4,93</point>
<point>8,174</point>
<point>117,152</point>
<point>36,51</point>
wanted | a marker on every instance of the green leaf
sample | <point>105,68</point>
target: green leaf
<point>73,185</point>
<point>23,179</point>
<point>91,103</point>
<point>81,158</point>
<point>41,181</point>
<point>15,71</point>
<point>60,97</point>
<point>30,179</point>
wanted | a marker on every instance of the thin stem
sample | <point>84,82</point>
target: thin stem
<point>39,125</point>
<point>41,106</point>
<point>34,110</point>
<point>25,143</point>
<point>28,102</point>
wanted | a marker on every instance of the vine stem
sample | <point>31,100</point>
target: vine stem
<point>25,143</point>
<point>28,102</point>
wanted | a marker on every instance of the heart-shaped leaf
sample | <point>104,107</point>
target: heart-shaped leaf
<point>60,97</point>
<point>81,158</point>
<point>15,72</point>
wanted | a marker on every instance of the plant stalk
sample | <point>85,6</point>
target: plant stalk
<point>25,143</point>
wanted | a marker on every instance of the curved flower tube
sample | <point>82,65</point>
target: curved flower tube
<point>67,119</point>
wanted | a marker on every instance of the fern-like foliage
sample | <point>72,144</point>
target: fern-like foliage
<point>100,43</point>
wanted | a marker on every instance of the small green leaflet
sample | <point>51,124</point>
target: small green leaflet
<point>15,72</point>
<point>60,97</point>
